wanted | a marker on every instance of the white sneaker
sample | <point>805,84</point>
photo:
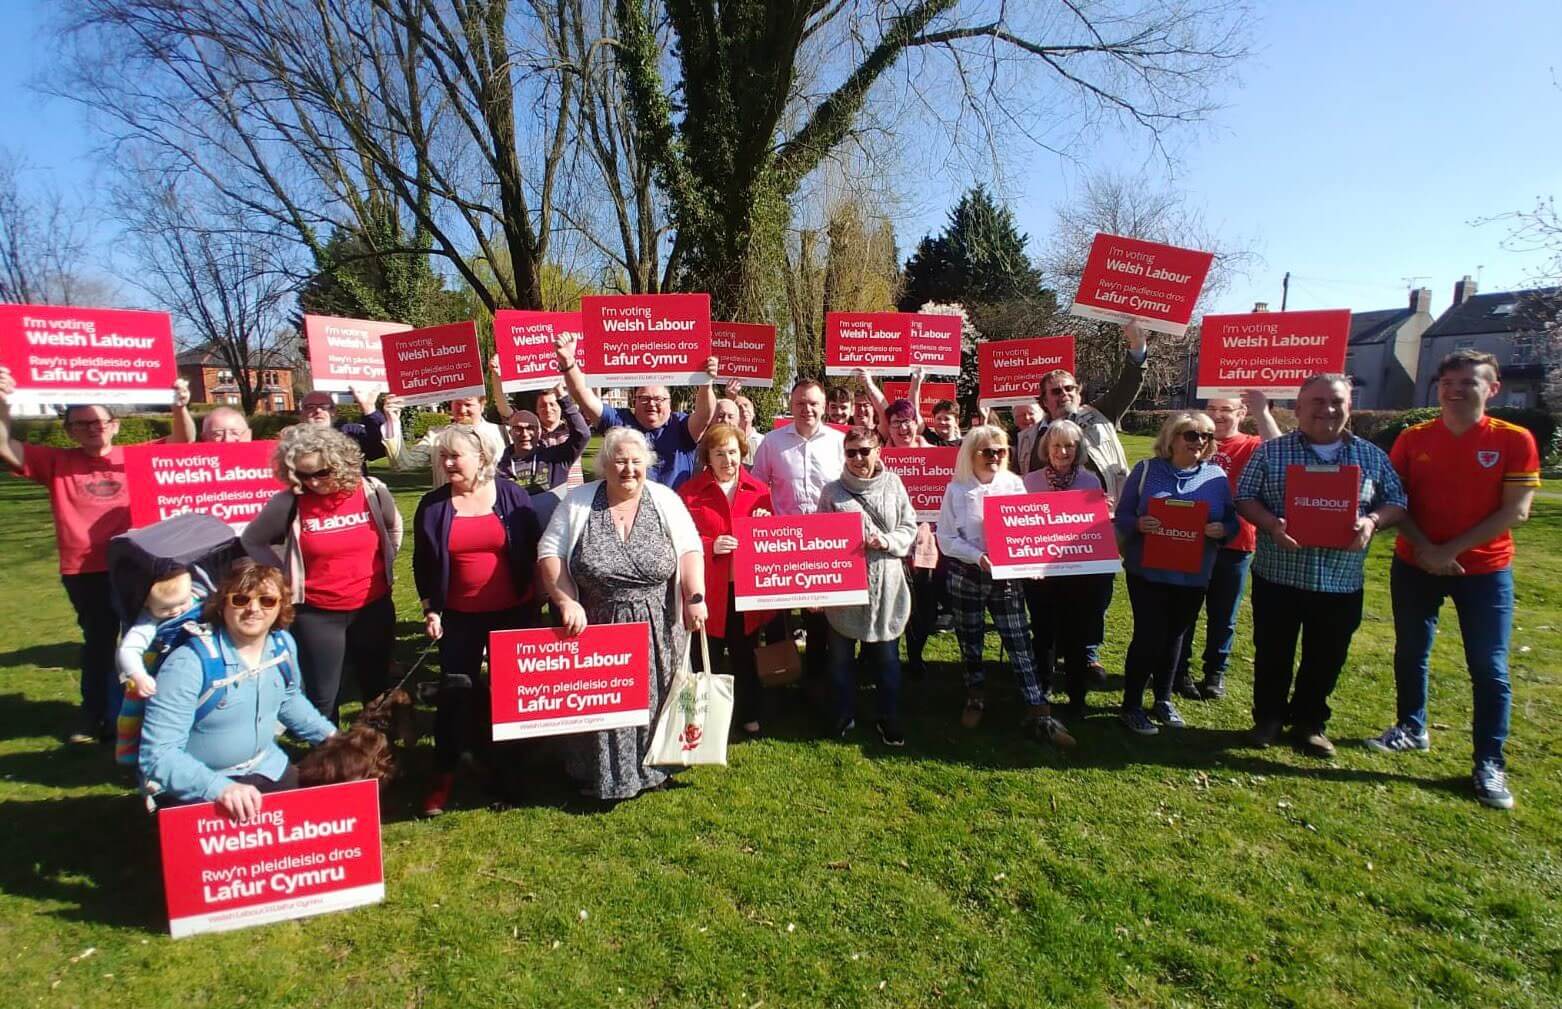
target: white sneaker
<point>1398,739</point>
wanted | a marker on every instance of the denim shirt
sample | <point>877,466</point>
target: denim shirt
<point>195,761</point>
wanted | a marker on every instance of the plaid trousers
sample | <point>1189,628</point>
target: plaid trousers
<point>972,590</point>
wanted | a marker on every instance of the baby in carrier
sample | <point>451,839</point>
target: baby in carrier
<point>170,614</point>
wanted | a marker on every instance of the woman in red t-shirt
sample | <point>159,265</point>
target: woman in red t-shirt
<point>474,557</point>
<point>339,532</point>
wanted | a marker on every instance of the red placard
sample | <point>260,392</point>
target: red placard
<point>935,343</point>
<point>309,851</point>
<point>932,392</point>
<point>926,473</point>
<point>1127,279</point>
<point>646,339</point>
<point>1059,533</point>
<point>347,352</point>
<point>1179,544</point>
<point>800,560</point>
<point>230,480</point>
<point>1271,352</point>
<point>524,343</point>
<point>1321,504</point>
<point>877,342</point>
<point>435,364</point>
<point>1010,371</point>
<point>59,354</point>
<point>546,684</point>
<point>745,351</point>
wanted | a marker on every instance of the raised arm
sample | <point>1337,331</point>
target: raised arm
<point>573,446</point>
<point>500,401</point>
<point>12,452</point>
<point>183,429</point>
<point>575,379</point>
<point>1263,418</point>
<point>704,401</point>
<point>1130,379</point>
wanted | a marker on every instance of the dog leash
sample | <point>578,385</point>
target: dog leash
<point>427,651</point>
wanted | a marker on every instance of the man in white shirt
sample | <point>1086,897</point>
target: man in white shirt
<point>796,462</point>
<point>467,411</point>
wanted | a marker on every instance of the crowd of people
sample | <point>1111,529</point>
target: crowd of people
<point>502,541</point>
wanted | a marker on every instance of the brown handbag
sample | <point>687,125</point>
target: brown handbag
<point>778,663</point>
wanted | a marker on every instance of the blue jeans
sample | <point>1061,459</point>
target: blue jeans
<point>881,656</point>
<point>1221,601</point>
<point>1484,604</point>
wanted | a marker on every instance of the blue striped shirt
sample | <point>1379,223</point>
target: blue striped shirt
<point>1319,569</point>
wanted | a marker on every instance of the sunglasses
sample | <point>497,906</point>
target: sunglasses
<point>858,453</point>
<point>316,475</point>
<point>993,453</point>
<point>1197,437</point>
<point>241,600</point>
<point>1064,390</point>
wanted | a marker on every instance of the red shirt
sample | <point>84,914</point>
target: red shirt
<point>1231,455</point>
<point>1454,482</point>
<point>344,560</point>
<point>89,498</point>
<point>480,580</point>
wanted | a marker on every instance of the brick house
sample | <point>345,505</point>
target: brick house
<point>212,381</point>
<point>1496,323</point>
<point>1384,352</point>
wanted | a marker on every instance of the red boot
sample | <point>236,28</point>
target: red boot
<point>438,794</point>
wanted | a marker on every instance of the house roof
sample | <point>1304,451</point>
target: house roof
<point>202,357</point>
<point>1498,312</point>
<point>1376,327</point>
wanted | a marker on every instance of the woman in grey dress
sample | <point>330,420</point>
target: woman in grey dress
<point>624,550</point>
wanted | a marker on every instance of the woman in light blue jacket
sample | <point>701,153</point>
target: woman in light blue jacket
<point>208,733</point>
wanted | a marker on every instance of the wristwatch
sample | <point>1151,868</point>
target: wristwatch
<point>698,597</point>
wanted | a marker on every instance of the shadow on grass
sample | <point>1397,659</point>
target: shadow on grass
<point>113,880</point>
<point>23,717</point>
<point>64,767</point>
<point>59,655</point>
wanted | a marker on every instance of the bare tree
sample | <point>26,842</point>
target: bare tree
<point>203,263</point>
<point>1137,208</point>
<point>43,244</point>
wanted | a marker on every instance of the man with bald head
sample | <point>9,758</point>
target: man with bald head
<point>225,424</point>
<point>673,434</point>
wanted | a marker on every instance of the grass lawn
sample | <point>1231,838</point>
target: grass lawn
<point>968,869</point>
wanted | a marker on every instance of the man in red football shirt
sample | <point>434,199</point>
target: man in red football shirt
<point>91,505</point>
<point>1470,479</point>
<point>1228,580</point>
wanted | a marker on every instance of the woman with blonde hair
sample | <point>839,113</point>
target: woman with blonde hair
<point>474,554</point>
<point>1166,601</point>
<point>339,532</point>
<point>623,550</point>
<point>720,492</point>
<point>982,471</point>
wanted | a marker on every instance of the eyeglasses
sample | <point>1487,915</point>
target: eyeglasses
<point>1197,437</point>
<point>993,453</point>
<point>309,407</point>
<point>523,428</point>
<point>652,400</point>
<point>316,475</point>
<point>241,600</point>
<point>859,453</point>
<point>1062,390</point>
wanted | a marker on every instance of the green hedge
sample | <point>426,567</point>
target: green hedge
<point>137,428</point>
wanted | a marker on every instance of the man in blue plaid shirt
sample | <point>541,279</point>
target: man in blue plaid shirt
<point>1314,592</point>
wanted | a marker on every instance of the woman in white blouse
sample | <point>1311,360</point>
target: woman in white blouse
<point>981,471</point>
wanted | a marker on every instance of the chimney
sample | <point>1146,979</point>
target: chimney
<point>1464,290</point>
<point>1421,300</point>
<point>1260,306</point>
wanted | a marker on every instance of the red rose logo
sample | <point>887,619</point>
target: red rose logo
<point>690,736</point>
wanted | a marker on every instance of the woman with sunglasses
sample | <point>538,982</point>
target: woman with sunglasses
<point>982,471</point>
<point>889,527</point>
<point>1166,601</point>
<point>208,734</point>
<point>339,532</point>
<point>929,573</point>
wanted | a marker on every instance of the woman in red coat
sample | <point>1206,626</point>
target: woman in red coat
<point>721,491</point>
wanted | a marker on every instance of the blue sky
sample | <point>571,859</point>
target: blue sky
<point>1363,141</point>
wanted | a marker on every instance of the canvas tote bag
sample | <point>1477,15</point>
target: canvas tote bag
<point>692,727</point>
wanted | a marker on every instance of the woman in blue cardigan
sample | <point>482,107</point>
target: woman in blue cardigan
<point>474,559</point>
<point>1166,601</point>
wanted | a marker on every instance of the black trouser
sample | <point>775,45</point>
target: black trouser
<point>328,638</point>
<point>1326,621</point>
<point>463,720</point>
<point>928,586</point>
<point>1061,615</point>
<point>816,654</point>
<point>1163,614</point>
<point>749,696</point>
<point>93,600</point>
